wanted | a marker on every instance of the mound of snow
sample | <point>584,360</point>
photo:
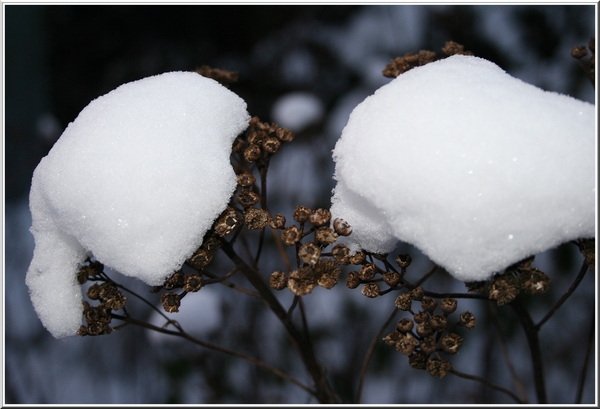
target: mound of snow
<point>475,168</point>
<point>136,180</point>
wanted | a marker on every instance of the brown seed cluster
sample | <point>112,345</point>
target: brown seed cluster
<point>224,77</point>
<point>400,65</point>
<point>453,48</point>
<point>261,141</point>
<point>90,270</point>
<point>588,65</point>
<point>325,273</point>
<point>99,317</point>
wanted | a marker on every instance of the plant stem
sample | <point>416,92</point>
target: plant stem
<point>486,382</point>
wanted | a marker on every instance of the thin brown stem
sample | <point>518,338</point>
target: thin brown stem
<point>486,382</point>
<point>586,360</point>
<point>363,371</point>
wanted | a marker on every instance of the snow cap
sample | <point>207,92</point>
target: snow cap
<point>135,181</point>
<point>477,169</point>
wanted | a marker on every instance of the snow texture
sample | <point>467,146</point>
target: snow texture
<point>477,169</point>
<point>135,181</point>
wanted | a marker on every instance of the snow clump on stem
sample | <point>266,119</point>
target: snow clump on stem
<point>477,169</point>
<point>135,181</point>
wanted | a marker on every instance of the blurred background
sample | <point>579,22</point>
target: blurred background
<point>305,67</point>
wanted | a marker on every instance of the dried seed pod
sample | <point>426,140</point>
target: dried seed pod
<point>302,281</point>
<point>405,343</point>
<point>403,260</point>
<point>256,137</point>
<point>320,217</point>
<point>309,253</point>
<point>358,257</point>
<point>421,316</point>
<point>451,343</point>
<point>428,345</point>
<point>438,367</point>
<point>391,278</point>
<point>291,235</point>
<point>418,360</point>
<point>175,281</point>
<point>284,134</point>
<point>353,280</point>
<point>302,214</point>
<point>252,153</point>
<point>371,290</point>
<point>271,144</point>
<point>424,329</point>
<point>246,179</point>
<point>467,320</point>
<point>504,289</point>
<point>448,305</point>
<point>256,219</point>
<point>411,58</point>
<point>171,302</point>
<point>403,302</point>
<point>342,227</point>
<point>438,323</point>
<point>326,236</point>
<point>200,259</point>
<point>238,145</point>
<point>328,271</point>
<point>227,222</point>
<point>476,286</point>
<point>405,325</point>
<point>341,253</point>
<point>417,293</point>
<point>93,293</point>
<point>426,56</point>
<point>367,272</point>
<point>117,302</point>
<point>278,280</point>
<point>248,198</point>
<point>579,52</point>
<point>453,48</point>
<point>534,281</point>
<point>193,283</point>
<point>277,222</point>
<point>429,304</point>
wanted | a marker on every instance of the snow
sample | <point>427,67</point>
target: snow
<point>475,168</point>
<point>135,181</point>
<point>297,110</point>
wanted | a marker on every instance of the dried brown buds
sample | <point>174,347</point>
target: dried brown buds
<point>309,253</point>
<point>256,219</point>
<point>448,305</point>
<point>320,217</point>
<point>467,320</point>
<point>403,302</point>
<point>248,198</point>
<point>367,272</point>
<point>227,222</point>
<point>291,235</point>
<point>403,260</point>
<point>245,179</point>
<point>284,134</point>
<point>328,271</point>
<point>342,227</point>
<point>277,222</point>
<point>252,153</point>
<point>326,236</point>
<point>451,343</point>
<point>278,280</point>
<point>302,214</point>
<point>504,289</point>
<point>341,253</point>
<point>429,304</point>
<point>371,290</point>
<point>171,302</point>
<point>192,283</point>
<point>405,325</point>
<point>353,280</point>
<point>438,367</point>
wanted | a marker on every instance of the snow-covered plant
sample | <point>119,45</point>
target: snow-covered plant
<point>165,179</point>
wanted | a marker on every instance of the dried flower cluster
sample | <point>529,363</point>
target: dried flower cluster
<point>400,65</point>
<point>224,77</point>
<point>589,65</point>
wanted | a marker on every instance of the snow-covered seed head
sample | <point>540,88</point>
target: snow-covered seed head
<point>438,323</point>
<point>358,258</point>
<point>403,260</point>
<point>320,217</point>
<point>171,302</point>
<point>271,144</point>
<point>252,153</point>
<point>353,280</point>
<point>438,367</point>
<point>278,280</point>
<point>291,235</point>
<point>405,325</point>
<point>367,272</point>
<point>245,179</point>
<point>302,214</point>
<point>371,290</point>
<point>504,289</point>
<point>193,283</point>
<point>341,253</point>
<point>428,344</point>
<point>309,253</point>
<point>451,343</point>
<point>448,305</point>
<point>403,302</point>
<point>534,281</point>
<point>326,236</point>
<point>227,222</point>
<point>391,278</point>
<point>200,259</point>
<point>256,219</point>
<point>284,134</point>
<point>342,227</point>
<point>417,293</point>
<point>277,222</point>
<point>328,271</point>
<point>467,320</point>
<point>429,304</point>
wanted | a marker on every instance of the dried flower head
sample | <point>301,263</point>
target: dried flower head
<point>504,289</point>
<point>309,253</point>
<point>193,283</point>
<point>358,257</point>
<point>534,281</point>
<point>451,343</point>
<point>200,259</point>
<point>117,302</point>
<point>417,293</point>
<point>476,286</point>
<point>302,214</point>
<point>302,281</point>
<point>438,323</point>
<point>98,314</point>
<point>246,179</point>
<point>227,222</point>
<point>467,320</point>
<point>426,56</point>
<point>252,153</point>
<point>353,280</point>
<point>277,221</point>
<point>93,293</point>
<point>405,325</point>
<point>278,280</point>
<point>403,260</point>
<point>248,198</point>
<point>271,144</point>
<point>367,272</point>
<point>284,134</point>
<point>424,329</point>
<point>438,367</point>
<point>452,48</point>
<point>579,52</point>
<point>421,316</point>
<point>404,343</point>
<point>175,281</point>
<point>429,304</point>
<point>403,302</point>
<point>171,302</point>
<point>391,278</point>
<point>342,227</point>
<point>371,290</point>
<point>341,253</point>
<point>448,305</point>
<point>320,217</point>
<point>256,219</point>
<point>224,77</point>
<point>256,137</point>
<point>291,235</point>
<point>428,345</point>
<point>326,236</point>
<point>417,360</point>
<point>329,272</point>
